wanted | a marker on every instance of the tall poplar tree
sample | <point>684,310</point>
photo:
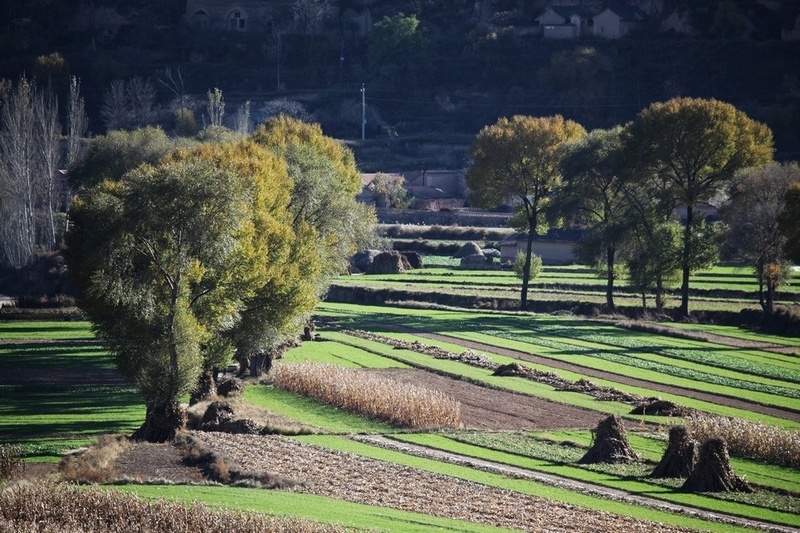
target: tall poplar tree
<point>694,146</point>
<point>518,160</point>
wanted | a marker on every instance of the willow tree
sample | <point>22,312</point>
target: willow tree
<point>170,258</point>
<point>325,183</point>
<point>517,160</point>
<point>789,223</point>
<point>695,146</point>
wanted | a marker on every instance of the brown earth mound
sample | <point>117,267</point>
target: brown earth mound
<point>659,407</point>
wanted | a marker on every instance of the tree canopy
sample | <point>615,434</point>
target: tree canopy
<point>753,217</point>
<point>594,194</point>
<point>689,148</point>
<point>110,156</point>
<point>790,223</point>
<point>325,184</point>
<point>517,160</point>
<point>174,259</point>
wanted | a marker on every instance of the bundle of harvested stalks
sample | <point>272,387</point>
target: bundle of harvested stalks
<point>610,444</point>
<point>713,472</point>
<point>680,457</point>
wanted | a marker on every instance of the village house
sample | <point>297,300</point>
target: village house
<point>616,22</point>
<point>573,22</point>
<point>431,190</point>
<point>565,22</point>
<point>557,247</point>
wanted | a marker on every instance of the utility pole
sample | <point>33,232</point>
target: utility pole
<point>363,111</point>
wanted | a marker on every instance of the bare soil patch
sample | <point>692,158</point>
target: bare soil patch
<point>490,409</point>
<point>147,461</point>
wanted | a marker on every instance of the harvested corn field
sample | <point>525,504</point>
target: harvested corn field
<point>359,479</point>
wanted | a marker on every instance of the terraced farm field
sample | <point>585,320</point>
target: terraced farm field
<point>510,464</point>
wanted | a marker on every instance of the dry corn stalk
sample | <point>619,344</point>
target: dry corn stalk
<point>369,394</point>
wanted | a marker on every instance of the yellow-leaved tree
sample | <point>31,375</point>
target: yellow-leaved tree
<point>181,262</point>
<point>686,150</point>
<point>517,160</point>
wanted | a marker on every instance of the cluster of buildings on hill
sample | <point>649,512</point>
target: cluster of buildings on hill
<point>559,19</point>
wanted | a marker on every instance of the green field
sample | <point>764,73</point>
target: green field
<point>47,418</point>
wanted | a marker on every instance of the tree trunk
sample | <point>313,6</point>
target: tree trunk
<point>769,303</point>
<point>526,270</point>
<point>610,253</point>
<point>206,387</point>
<point>659,294</point>
<point>162,422</point>
<point>687,239</point>
<point>760,272</point>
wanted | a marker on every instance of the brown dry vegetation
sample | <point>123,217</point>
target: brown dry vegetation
<point>369,394</point>
<point>749,439</point>
<point>35,507</point>
<point>10,461</point>
<point>95,464</point>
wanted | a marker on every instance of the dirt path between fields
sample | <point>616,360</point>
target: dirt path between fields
<point>491,409</point>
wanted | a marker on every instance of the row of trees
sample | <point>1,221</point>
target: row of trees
<point>32,206</point>
<point>187,254</point>
<point>637,189</point>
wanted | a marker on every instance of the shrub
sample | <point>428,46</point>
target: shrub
<point>519,265</point>
<point>185,123</point>
<point>96,464</point>
<point>10,461</point>
<point>369,395</point>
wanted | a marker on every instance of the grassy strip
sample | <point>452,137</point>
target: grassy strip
<point>561,351</point>
<point>735,332</point>
<point>620,482</point>
<point>701,356</point>
<point>45,330</point>
<point>311,507</point>
<point>49,356</point>
<point>642,368</point>
<point>67,415</point>
<point>339,354</point>
<point>484,377</point>
<point>523,486</point>
<point>311,412</point>
<point>48,419</point>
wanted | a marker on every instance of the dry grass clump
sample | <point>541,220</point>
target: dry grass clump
<point>65,508</point>
<point>369,394</point>
<point>750,439</point>
<point>96,464</point>
<point>10,461</point>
